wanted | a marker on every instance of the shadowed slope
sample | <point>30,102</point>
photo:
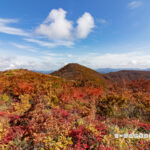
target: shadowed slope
<point>128,75</point>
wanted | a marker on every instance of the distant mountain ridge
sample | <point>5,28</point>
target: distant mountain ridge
<point>45,72</point>
<point>128,75</point>
<point>100,70</point>
<point>108,70</point>
<point>84,75</point>
<point>78,72</point>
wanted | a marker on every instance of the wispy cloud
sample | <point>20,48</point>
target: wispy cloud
<point>50,44</point>
<point>135,4</point>
<point>24,47</point>
<point>101,21</point>
<point>56,30</point>
<point>4,21</point>
<point>5,28</point>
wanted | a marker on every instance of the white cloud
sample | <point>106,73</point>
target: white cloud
<point>41,43</point>
<point>58,28</point>
<point>53,61</point>
<point>51,44</point>
<point>25,47</point>
<point>134,4</point>
<point>69,55</point>
<point>124,60</point>
<point>2,20</point>
<point>102,21</point>
<point>28,62</point>
<point>85,25</point>
<point>4,28</point>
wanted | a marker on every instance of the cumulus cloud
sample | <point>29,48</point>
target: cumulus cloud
<point>58,28</point>
<point>4,28</point>
<point>85,25</point>
<point>134,4</point>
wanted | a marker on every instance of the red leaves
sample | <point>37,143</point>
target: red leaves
<point>80,93</point>
<point>145,126</point>
<point>101,147</point>
<point>84,138</point>
<point>60,113</point>
<point>80,138</point>
<point>10,116</point>
<point>23,88</point>
<point>75,116</point>
<point>94,91</point>
<point>13,132</point>
<point>139,85</point>
<point>143,145</point>
<point>3,114</point>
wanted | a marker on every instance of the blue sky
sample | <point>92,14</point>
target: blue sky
<point>45,35</point>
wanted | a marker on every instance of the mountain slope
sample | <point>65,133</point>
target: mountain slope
<point>108,70</point>
<point>81,74</point>
<point>128,75</point>
<point>25,80</point>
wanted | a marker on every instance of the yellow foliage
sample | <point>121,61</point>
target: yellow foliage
<point>4,98</point>
<point>2,131</point>
<point>80,121</point>
<point>61,143</point>
<point>24,105</point>
<point>92,128</point>
<point>52,100</point>
<point>119,143</point>
<point>3,127</point>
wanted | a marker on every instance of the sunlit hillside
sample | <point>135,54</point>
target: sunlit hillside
<point>45,112</point>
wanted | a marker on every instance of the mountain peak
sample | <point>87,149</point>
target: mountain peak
<point>73,65</point>
<point>77,72</point>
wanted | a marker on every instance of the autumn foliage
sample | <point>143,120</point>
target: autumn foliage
<point>45,112</point>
